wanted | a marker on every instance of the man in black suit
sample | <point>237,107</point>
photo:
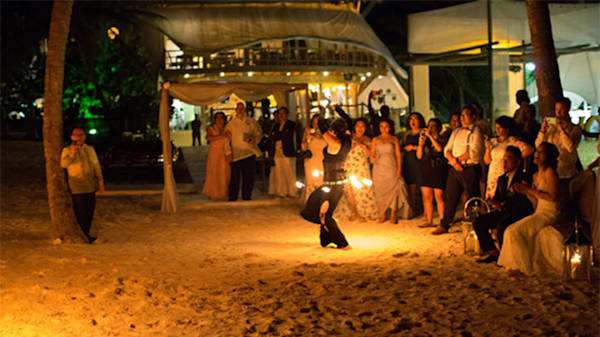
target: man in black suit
<point>509,206</point>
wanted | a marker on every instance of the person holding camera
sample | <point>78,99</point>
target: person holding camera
<point>84,178</point>
<point>433,169</point>
<point>244,133</point>
<point>282,178</point>
<point>560,132</point>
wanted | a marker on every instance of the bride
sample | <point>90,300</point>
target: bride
<point>518,247</point>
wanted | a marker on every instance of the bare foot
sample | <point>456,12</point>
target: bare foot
<point>348,247</point>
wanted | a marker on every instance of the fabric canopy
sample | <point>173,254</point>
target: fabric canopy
<point>210,29</point>
<point>465,25</point>
<point>204,94</point>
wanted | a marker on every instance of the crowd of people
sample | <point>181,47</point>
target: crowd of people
<point>361,170</point>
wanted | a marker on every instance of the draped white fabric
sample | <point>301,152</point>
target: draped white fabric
<point>213,28</point>
<point>465,25</point>
<point>204,94</point>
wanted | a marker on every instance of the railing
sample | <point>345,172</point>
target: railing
<point>284,58</point>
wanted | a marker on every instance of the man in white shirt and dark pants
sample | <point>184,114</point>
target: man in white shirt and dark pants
<point>464,152</point>
<point>244,133</point>
<point>566,137</point>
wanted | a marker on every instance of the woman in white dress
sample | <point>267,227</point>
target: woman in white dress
<point>517,252</point>
<point>313,167</point>
<point>358,202</point>
<point>495,148</point>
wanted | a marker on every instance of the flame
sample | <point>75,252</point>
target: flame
<point>576,258</point>
<point>354,181</point>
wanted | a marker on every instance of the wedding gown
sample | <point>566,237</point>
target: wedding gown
<point>520,238</point>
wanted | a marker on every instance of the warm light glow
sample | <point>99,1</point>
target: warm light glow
<point>379,77</point>
<point>326,189</point>
<point>315,173</point>
<point>113,32</point>
<point>369,74</point>
<point>299,184</point>
<point>325,73</point>
<point>354,181</point>
<point>576,258</point>
<point>367,182</point>
<point>222,74</point>
<point>288,74</point>
<point>250,74</point>
<point>362,78</point>
<point>186,75</point>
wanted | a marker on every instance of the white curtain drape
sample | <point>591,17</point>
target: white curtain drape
<point>204,94</point>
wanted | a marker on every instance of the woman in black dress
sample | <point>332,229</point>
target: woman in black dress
<point>322,202</point>
<point>410,163</point>
<point>433,169</point>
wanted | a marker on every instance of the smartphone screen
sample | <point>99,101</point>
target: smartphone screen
<point>551,120</point>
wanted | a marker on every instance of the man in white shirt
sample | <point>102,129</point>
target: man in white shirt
<point>244,133</point>
<point>84,177</point>
<point>464,152</point>
<point>566,137</point>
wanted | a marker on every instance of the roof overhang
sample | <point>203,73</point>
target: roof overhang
<point>208,29</point>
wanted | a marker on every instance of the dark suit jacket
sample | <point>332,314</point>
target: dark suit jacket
<point>511,200</point>
<point>286,135</point>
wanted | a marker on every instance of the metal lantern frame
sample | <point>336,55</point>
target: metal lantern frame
<point>474,207</point>
<point>579,256</point>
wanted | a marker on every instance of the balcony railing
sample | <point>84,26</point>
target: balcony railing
<point>273,59</point>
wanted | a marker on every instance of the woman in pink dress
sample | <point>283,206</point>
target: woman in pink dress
<point>218,170</point>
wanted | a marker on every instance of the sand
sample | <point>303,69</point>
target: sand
<point>256,269</point>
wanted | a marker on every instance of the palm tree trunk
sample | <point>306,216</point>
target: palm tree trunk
<point>59,198</point>
<point>547,77</point>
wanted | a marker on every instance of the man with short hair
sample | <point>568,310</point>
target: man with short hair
<point>566,137</point>
<point>244,133</point>
<point>84,177</point>
<point>196,124</point>
<point>464,152</point>
<point>508,205</point>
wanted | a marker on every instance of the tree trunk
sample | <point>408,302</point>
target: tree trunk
<point>59,197</point>
<point>547,77</point>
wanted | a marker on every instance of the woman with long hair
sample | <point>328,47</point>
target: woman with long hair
<point>218,170</point>
<point>313,141</point>
<point>358,202</point>
<point>389,186</point>
<point>322,202</point>
<point>517,252</point>
<point>433,169</point>
<point>494,151</point>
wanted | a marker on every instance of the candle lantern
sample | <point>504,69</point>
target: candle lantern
<point>474,207</point>
<point>579,256</point>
